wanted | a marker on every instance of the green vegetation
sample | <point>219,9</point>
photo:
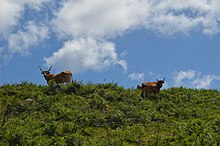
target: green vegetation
<point>107,114</point>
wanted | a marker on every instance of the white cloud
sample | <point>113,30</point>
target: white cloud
<point>35,4</point>
<point>19,37</point>
<point>136,76</point>
<point>205,81</point>
<point>86,54</point>
<point>22,41</point>
<point>176,16</point>
<point>4,57</point>
<point>99,18</point>
<point>180,76</point>
<point>193,79</point>
<point>104,19</point>
<point>12,10</point>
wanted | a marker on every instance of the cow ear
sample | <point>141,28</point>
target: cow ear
<point>157,79</point>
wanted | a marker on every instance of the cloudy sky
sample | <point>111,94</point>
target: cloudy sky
<point>126,42</point>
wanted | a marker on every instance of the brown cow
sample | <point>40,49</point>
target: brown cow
<point>148,87</point>
<point>63,77</point>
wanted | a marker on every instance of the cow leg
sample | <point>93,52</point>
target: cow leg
<point>70,80</point>
<point>156,91</point>
<point>142,94</point>
<point>146,94</point>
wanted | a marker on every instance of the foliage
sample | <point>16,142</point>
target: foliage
<point>107,114</point>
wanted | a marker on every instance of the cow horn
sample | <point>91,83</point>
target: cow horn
<point>50,68</point>
<point>40,68</point>
<point>157,79</point>
<point>164,79</point>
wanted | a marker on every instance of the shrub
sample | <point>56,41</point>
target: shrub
<point>107,114</point>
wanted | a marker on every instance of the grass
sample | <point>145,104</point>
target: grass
<point>107,114</point>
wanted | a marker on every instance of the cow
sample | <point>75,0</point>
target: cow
<point>148,87</point>
<point>62,77</point>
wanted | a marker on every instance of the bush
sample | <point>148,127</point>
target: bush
<point>107,114</point>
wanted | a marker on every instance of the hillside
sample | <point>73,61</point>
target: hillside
<point>107,114</point>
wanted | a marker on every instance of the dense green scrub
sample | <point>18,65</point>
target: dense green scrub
<point>107,114</point>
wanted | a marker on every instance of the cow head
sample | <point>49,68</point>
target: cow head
<point>160,82</point>
<point>138,87</point>
<point>45,72</point>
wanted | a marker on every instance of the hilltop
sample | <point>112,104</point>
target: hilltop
<point>107,114</point>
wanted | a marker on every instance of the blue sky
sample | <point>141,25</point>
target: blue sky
<point>126,42</point>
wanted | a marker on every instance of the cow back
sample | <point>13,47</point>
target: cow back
<point>65,76</point>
